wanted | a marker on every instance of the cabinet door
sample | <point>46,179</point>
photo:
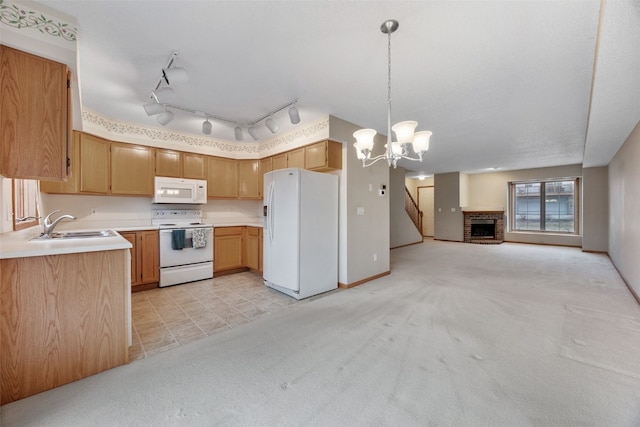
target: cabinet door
<point>72,184</point>
<point>193,166</point>
<point>323,156</point>
<point>94,164</point>
<point>149,254</point>
<point>222,177</point>
<point>228,248</point>
<point>279,161</point>
<point>249,179</point>
<point>266,165</point>
<point>168,163</point>
<point>34,124</point>
<point>131,237</point>
<point>252,248</point>
<point>295,158</point>
<point>132,169</point>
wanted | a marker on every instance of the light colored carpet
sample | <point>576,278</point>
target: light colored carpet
<point>457,335</point>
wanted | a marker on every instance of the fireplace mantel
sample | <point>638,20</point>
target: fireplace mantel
<point>496,215</point>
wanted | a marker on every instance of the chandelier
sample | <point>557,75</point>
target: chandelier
<point>404,131</point>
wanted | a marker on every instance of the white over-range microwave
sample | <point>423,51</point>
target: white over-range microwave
<point>180,191</point>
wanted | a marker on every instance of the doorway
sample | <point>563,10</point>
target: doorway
<point>425,204</point>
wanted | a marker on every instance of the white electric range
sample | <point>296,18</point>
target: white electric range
<point>183,259</point>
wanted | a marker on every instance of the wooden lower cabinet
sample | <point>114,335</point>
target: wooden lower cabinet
<point>253,248</point>
<point>237,249</point>
<point>62,318</point>
<point>228,248</point>
<point>145,259</point>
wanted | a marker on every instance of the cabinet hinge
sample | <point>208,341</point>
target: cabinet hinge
<point>68,84</point>
<point>68,162</point>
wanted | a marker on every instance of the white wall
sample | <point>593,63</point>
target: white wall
<point>624,206</point>
<point>362,237</point>
<point>492,190</point>
<point>595,208</point>
<point>403,231</point>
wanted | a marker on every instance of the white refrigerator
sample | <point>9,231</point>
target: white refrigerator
<point>300,235</point>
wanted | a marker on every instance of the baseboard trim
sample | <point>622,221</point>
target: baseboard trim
<point>408,244</point>
<point>232,271</point>
<point>360,282</point>
<point>633,292</point>
<point>145,287</point>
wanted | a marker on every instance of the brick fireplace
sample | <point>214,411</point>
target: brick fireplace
<point>483,226</point>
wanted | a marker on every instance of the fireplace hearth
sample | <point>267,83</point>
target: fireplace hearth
<point>484,227</point>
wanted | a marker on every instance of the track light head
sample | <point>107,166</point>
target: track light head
<point>153,108</point>
<point>206,127</point>
<point>294,115</point>
<point>238,132</point>
<point>273,127</point>
<point>165,117</point>
<point>175,75</point>
<point>253,132</point>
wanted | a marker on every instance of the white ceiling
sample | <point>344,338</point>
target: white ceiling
<point>506,84</point>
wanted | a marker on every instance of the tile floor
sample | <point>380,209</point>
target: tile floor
<point>165,318</point>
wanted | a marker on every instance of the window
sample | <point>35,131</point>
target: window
<point>25,203</point>
<point>544,206</point>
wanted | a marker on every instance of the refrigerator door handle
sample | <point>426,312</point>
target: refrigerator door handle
<point>270,208</point>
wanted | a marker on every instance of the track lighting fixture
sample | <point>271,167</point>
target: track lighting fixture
<point>165,117</point>
<point>273,127</point>
<point>153,108</point>
<point>294,115</point>
<point>206,127</point>
<point>162,95</point>
<point>253,132</point>
<point>238,132</point>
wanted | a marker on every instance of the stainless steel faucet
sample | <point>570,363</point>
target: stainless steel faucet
<point>48,226</point>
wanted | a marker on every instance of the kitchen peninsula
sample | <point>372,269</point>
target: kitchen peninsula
<point>64,310</point>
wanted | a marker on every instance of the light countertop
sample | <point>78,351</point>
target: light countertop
<point>18,244</point>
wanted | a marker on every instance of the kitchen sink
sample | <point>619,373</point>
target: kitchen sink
<point>76,235</point>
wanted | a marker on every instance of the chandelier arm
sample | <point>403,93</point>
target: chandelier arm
<point>368,162</point>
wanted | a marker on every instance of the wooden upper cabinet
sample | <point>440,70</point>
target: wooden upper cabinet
<point>222,177</point>
<point>72,184</point>
<point>132,169</point>
<point>323,156</point>
<point>279,161</point>
<point>93,164</point>
<point>168,163</point>
<point>295,158</point>
<point>249,179</point>
<point>194,166</point>
<point>34,124</point>
<point>266,165</point>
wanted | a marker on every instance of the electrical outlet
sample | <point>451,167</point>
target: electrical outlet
<point>375,257</point>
